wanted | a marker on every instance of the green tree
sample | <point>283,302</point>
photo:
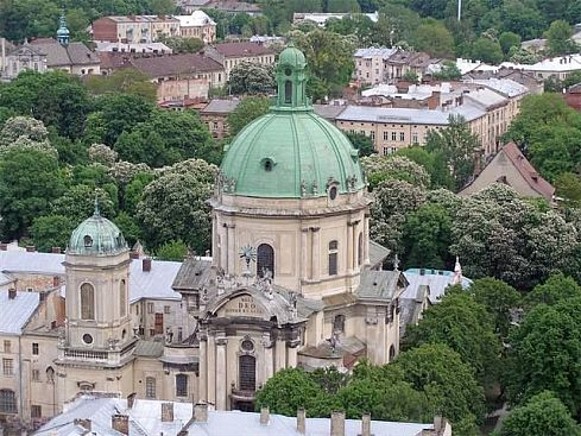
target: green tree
<point>29,181</point>
<point>174,206</point>
<point>433,163</point>
<point>78,203</point>
<point>247,111</point>
<point>487,50</point>
<point>449,71</point>
<point>183,45</point>
<point>557,288</point>
<point>51,231</point>
<point>559,38</point>
<point>457,145</point>
<point>251,78</point>
<point>448,383</point>
<point>123,81</point>
<point>361,142</point>
<point>380,168</point>
<point>542,415</point>
<point>172,250</point>
<point>434,38</point>
<point>568,187</point>
<point>508,40</point>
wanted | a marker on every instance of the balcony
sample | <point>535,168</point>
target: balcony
<point>243,395</point>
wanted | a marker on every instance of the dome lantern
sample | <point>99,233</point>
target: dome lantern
<point>291,79</point>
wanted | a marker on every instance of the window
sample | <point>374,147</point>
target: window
<point>35,375</point>
<point>264,260</point>
<point>122,298</point>
<point>158,327</point>
<point>401,136</point>
<point>181,385</point>
<point>372,135</point>
<point>7,347</point>
<point>333,253</point>
<point>394,136</point>
<point>88,241</point>
<point>150,388</point>
<point>288,92</point>
<point>414,138</point>
<point>7,366</point>
<point>7,401</point>
<point>50,375</point>
<point>360,249</point>
<point>247,368</point>
<point>385,136</point>
<point>87,301</point>
<point>35,411</point>
<point>339,324</point>
<point>150,308</point>
<point>166,310</point>
<point>385,151</point>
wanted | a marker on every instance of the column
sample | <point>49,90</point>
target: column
<point>350,248</point>
<point>224,247</point>
<point>304,253</point>
<point>316,253</point>
<point>291,356</point>
<point>231,249</point>
<point>221,376</point>
<point>280,355</point>
<point>211,369</point>
<point>366,239</point>
<point>355,243</point>
<point>267,344</point>
<point>203,384</point>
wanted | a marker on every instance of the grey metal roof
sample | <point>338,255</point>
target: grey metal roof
<point>408,116</point>
<point>192,274</point>
<point>149,348</point>
<point>155,284</point>
<point>220,106</point>
<point>15,313</point>
<point>57,55</point>
<point>328,111</point>
<point>379,284</point>
<point>437,280</point>
<point>144,418</point>
<point>373,52</point>
<point>377,254</point>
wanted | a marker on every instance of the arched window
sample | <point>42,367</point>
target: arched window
<point>391,353</point>
<point>87,301</point>
<point>181,385</point>
<point>88,241</point>
<point>7,401</point>
<point>339,324</point>
<point>247,372</point>
<point>150,387</point>
<point>122,298</point>
<point>360,249</point>
<point>264,260</point>
<point>333,254</point>
<point>288,92</point>
<point>49,375</point>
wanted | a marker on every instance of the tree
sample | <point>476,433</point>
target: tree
<point>457,146</point>
<point>247,111</point>
<point>251,78</point>
<point>434,38</point>
<point>100,153</point>
<point>499,299</point>
<point>123,81</point>
<point>487,50</point>
<point>568,187</point>
<point>508,40</point>
<point>291,389</point>
<point>448,383</point>
<point>433,163</point>
<point>183,45</point>
<point>174,206</point>
<point>172,250</point>
<point>543,414</point>
<point>449,71</point>
<point>29,181</point>
<point>559,38</point>
<point>380,168</point>
<point>25,133</point>
<point>556,289</point>
<point>78,203</point>
<point>361,142</point>
<point>51,231</point>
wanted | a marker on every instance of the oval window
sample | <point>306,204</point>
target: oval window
<point>87,339</point>
<point>333,192</point>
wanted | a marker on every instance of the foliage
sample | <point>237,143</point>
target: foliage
<point>434,38</point>
<point>555,289</point>
<point>51,231</point>
<point>100,153</point>
<point>449,71</point>
<point>380,168</point>
<point>559,38</point>
<point>543,414</point>
<point>247,111</point>
<point>361,142</point>
<point>123,81</point>
<point>487,50</point>
<point>433,163</point>
<point>568,187</point>
<point>508,40</point>
<point>172,250</point>
<point>183,45</point>
<point>251,78</point>
<point>78,203</point>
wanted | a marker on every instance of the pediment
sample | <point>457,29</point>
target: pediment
<point>242,305</point>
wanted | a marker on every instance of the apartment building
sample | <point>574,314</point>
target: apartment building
<point>371,64</point>
<point>230,54</point>
<point>197,25</point>
<point>135,28</point>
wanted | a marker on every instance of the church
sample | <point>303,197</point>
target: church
<point>293,281</point>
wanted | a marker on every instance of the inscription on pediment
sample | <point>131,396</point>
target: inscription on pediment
<point>241,306</point>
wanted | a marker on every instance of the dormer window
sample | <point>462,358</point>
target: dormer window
<point>88,241</point>
<point>267,163</point>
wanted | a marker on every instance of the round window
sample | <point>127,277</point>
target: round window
<point>247,345</point>
<point>87,339</point>
<point>333,192</point>
<point>288,72</point>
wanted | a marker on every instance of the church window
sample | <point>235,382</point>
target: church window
<point>181,385</point>
<point>87,301</point>
<point>35,348</point>
<point>35,411</point>
<point>333,254</point>
<point>288,92</point>
<point>333,192</point>
<point>7,366</point>
<point>7,346</point>
<point>49,375</point>
<point>150,387</point>
<point>339,324</point>
<point>360,249</point>
<point>35,375</point>
<point>7,401</point>
<point>247,345</point>
<point>87,339</point>
<point>247,368</point>
<point>122,298</point>
<point>88,241</point>
<point>265,260</point>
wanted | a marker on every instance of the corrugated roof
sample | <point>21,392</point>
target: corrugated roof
<point>144,418</point>
<point>242,49</point>
<point>382,285</point>
<point>15,313</point>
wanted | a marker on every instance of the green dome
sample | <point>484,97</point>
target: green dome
<point>291,152</point>
<point>96,236</point>
<point>292,56</point>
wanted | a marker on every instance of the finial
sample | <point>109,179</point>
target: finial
<point>396,262</point>
<point>97,211</point>
<point>457,273</point>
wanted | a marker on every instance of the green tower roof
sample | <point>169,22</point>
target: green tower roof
<point>96,236</point>
<point>291,152</point>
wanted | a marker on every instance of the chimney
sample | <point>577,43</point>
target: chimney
<point>337,424</point>
<point>146,264</point>
<point>30,248</point>
<point>56,250</point>
<point>201,412</point>
<point>3,247</point>
<point>301,421</point>
<point>264,416</point>
<point>85,423</point>
<point>166,412</point>
<point>133,255</point>
<point>422,272</point>
<point>131,400</point>
<point>366,425</point>
<point>120,423</point>
<point>12,294</point>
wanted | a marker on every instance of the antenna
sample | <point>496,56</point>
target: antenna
<point>459,10</point>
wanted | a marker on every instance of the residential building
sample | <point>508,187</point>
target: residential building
<point>135,29</point>
<point>230,54</point>
<point>197,25</point>
<point>138,48</point>
<point>113,416</point>
<point>189,6</point>
<point>320,18</point>
<point>371,64</point>
<point>533,84</point>
<point>215,115</point>
<point>512,168</point>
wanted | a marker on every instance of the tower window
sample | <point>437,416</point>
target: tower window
<point>181,385</point>
<point>265,260</point>
<point>87,301</point>
<point>122,298</point>
<point>288,92</point>
<point>88,241</point>
<point>247,368</point>
<point>333,255</point>
<point>150,387</point>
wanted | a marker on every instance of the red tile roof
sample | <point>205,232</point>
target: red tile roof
<point>242,49</point>
<point>177,64</point>
<point>528,172</point>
